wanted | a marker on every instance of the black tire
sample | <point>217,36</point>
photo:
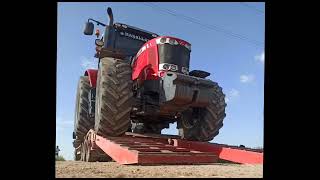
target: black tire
<point>114,97</point>
<point>204,125</point>
<point>82,152</point>
<point>76,143</point>
<point>105,158</point>
<point>82,122</point>
<point>91,155</point>
<point>77,157</point>
<point>101,156</point>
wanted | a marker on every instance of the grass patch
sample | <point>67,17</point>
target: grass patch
<point>60,158</point>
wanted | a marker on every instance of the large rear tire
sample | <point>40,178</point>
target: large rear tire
<point>82,123</point>
<point>91,155</point>
<point>203,124</point>
<point>77,157</point>
<point>114,97</point>
<point>83,152</point>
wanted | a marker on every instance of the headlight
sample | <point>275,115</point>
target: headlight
<point>163,40</point>
<point>166,66</point>
<point>171,41</point>
<point>173,67</point>
<point>99,42</point>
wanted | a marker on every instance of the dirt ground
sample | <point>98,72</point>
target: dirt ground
<point>78,169</point>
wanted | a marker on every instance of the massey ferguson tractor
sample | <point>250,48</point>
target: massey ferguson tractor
<point>142,84</point>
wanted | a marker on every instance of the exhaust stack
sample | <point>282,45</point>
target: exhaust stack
<point>109,30</point>
<point>110,14</point>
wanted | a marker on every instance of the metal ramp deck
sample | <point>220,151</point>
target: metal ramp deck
<point>134,148</point>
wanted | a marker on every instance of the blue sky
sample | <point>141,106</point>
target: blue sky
<point>237,65</point>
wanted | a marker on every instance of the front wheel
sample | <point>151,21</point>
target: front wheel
<point>203,124</point>
<point>114,97</point>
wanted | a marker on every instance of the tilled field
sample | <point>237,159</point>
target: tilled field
<point>113,169</point>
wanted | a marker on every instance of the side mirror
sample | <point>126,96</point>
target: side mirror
<point>88,29</point>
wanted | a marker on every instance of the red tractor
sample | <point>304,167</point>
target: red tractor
<point>143,84</point>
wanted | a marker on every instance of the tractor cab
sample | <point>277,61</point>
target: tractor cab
<point>118,39</point>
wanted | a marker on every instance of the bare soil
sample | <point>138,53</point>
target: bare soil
<point>78,169</point>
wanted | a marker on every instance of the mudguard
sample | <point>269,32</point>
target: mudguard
<point>92,74</point>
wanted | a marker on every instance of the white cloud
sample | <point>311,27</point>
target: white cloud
<point>88,63</point>
<point>234,93</point>
<point>260,57</point>
<point>226,99</point>
<point>246,78</point>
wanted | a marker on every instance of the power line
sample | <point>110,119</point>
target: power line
<point>251,7</point>
<point>210,27</point>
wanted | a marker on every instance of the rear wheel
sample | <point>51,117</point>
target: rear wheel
<point>91,155</point>
<point>105,158</point>
<point>203,124</point>
<point>82,123</point>
<point>77,156</point>
<point>82,152</point>
<point>102,156</point>
<point>114,97</point>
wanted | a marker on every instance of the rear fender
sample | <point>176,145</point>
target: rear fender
<point>92,74</point>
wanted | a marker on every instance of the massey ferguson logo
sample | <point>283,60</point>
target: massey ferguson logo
<point>132,36</point>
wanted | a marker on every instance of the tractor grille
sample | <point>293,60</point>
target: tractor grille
<point>174,54</point>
